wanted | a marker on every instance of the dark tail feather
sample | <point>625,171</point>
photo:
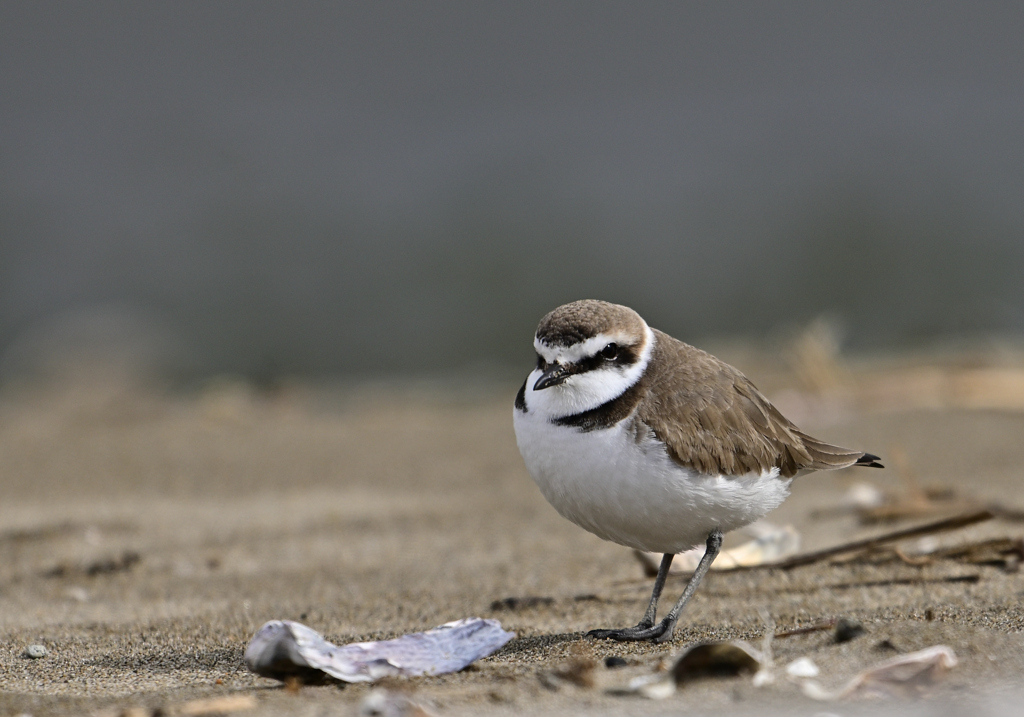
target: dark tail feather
<point>825,456</point>
<point>869,460</point>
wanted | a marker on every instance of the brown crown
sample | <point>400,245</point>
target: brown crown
<point>572,323</point>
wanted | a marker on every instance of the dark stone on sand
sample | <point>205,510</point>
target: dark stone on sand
<point>521,603</point>
<point>847,629</point>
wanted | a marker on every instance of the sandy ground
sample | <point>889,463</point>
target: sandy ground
<point>146,536</point>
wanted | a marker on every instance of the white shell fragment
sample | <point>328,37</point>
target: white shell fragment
<point>863,496</point>
<point>802,667</point>
<point>653,687</point>
<point>283,649</point>
<point>904,676</point>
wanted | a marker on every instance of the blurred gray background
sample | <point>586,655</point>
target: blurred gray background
<point>396,187</point>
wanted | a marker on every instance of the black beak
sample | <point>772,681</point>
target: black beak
<point>553,375</point>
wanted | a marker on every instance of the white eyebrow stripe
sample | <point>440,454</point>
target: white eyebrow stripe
<point>582,350</point>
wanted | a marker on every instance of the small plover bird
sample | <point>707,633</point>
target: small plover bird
<point>651,443</point>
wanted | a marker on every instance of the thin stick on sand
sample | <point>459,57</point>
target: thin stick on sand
<point>940,526</point>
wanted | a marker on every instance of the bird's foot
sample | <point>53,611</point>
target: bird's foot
<point>660,632</point>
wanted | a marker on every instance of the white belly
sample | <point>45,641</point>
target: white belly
<point>630,492</point>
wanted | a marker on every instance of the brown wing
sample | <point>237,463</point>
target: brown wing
<point>714,420</point>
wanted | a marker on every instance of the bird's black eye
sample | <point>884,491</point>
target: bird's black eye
<point>610,352</point>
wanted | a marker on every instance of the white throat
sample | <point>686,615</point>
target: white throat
<point>584,391</point>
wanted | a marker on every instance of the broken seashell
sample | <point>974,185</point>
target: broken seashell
<point>708,659</point>
<point>904,676</point>
<point>717,659</point>
<point>283,649</point>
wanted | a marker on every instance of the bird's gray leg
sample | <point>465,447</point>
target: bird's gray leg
<point>668,625</point>
<point>659,585</point>
<point>662,632</point>
<point>647,621</point>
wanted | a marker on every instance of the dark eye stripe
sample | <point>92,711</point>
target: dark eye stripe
<point>626,356</point>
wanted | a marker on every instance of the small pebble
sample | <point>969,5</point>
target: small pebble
<point>613,662</point>
<point>35,651</point>
<point>847,629</point>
